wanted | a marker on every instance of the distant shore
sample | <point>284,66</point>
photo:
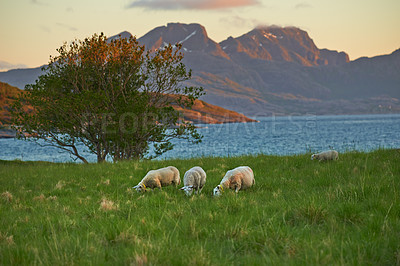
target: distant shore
<point>7,133</point>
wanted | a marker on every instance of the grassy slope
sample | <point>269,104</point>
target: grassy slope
<point>299,212</point>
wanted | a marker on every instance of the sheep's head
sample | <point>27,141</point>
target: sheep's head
<point>218,190</point>
<point>313,156</point>
<point>140,188</point>
<point>188,190</point>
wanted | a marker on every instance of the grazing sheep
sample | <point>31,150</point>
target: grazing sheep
<point>194,179</point>
<point>239,178</point>
<point>159,178</point>
<point>326,156</point>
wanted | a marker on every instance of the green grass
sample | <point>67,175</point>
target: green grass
<point>300,212</point>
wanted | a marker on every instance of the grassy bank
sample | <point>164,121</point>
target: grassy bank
<point>300,212</point>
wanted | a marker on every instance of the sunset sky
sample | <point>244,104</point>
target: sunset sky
<point>32,30</point>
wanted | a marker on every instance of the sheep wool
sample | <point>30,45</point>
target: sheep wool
<point>326,156</point>
<point>159,178</point>
<point>194,179</point>
<point>236,179</point>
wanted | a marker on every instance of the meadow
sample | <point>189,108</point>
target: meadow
<point>300,212</point>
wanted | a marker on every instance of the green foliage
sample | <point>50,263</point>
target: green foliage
<point>112,96</point>
<point>299,212</point>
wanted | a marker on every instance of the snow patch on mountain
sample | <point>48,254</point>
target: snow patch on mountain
<point>188,37</point>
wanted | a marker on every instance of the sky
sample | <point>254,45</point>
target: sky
<point>32,30</point>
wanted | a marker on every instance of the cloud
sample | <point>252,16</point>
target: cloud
<point>39,3</point>
<point>67,27</point>
<point>191,4</point>
<point>45,28</point>
<point>240,22</point>
<point>302,5</point>
<point>4,66</point>
<point>48,29</point>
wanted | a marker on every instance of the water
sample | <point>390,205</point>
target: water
<point>272,135</point>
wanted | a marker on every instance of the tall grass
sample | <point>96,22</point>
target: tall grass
<point>299,212</point>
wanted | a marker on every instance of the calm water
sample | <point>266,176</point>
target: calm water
<point>272,135</point>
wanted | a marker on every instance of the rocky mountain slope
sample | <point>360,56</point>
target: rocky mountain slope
<point>274,70</point>
<point>288,44</point>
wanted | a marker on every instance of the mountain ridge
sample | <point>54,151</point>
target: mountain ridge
<point>277,70</point>
<point>289,44</point>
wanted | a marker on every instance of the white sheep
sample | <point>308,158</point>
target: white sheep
<point>239,178</point>
<point>326,155</point>
<point>194,179</point>
<point>159,178</point>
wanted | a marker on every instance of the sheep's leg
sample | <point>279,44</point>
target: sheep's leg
<point>237,188</point>
<point>237,185</point>
<point>158,184</point>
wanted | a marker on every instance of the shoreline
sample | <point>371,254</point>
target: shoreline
<point>307,153</point>
<point>7,133</point>
<point>272,136</point>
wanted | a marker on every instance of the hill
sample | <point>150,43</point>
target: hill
<point>8,94</point>
<point>274,71</point>
<point>201,112</point>
<point>205,113</point>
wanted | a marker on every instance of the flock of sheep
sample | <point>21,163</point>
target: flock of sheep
<point>240,178</point>
<point>195,178</point>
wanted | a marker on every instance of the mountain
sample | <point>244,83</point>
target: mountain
<point>368,77</point>
<point>123,35</point>
<point>288,44</point>
<point>193,37</point>
<point>20,77</point>
<point>274,71</point>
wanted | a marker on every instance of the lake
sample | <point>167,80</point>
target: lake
<point>272,135</point>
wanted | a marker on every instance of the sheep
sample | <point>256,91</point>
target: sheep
<point>194,179</point>
<point>159,178</point>
<point>326,155</point>
<point>239,178</point>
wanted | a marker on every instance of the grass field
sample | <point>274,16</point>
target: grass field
<point>300,212</point>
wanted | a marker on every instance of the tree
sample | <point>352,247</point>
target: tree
<point>114,97</point>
